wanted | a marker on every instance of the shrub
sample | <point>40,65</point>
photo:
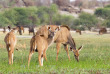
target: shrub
<point>103,13</point>
<point>77,25</point>
<point>4,21</point>
<point>46,14</point>
<point>86,20</point>
<point>43,15</point>
<point>22,16</point>
<point>106,23</point>
<point>11,15</point>
<point>108,6</point>
<point>63,20</point>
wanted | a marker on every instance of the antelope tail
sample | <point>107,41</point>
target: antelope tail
<point>8,44</point>
<point>34,47</point>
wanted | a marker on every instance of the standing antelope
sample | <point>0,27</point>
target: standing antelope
<point>9,27</point>
<point>31,30</point>
<point>10,40</point>
<point>40,44</point>
<point>62,37</point>
<point>4,30</point>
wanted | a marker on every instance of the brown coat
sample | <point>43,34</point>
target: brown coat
<point>39,43</point>
<point>10,40</point>
<point>62,37</point>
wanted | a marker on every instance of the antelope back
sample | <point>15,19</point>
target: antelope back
<point>10,39</point>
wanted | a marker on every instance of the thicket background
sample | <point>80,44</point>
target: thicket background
<point>32,15</point>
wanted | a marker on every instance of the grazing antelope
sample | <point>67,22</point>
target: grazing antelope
<point>102,30</point>
<point>10,40</point>
<point>78,31</point>
<point>40,44</point>
<point>76,52</point>
<point>62,37</point>
<point>20,29</point>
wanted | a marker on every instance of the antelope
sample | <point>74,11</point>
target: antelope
<point>78,31</point>
<point>9,27</point>
<point>62,37</point>
<point>10,41</point>
<point>31,30</point>
<point>76,52</point>
<point>102,31</point>
<point>4,30</point>
<point>40,44</point>
<point>20,29</point>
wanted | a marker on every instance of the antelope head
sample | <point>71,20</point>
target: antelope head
<point>76,52</point>
<point>51,31</point>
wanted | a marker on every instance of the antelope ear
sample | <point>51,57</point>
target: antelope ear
<point>80,48</point>
<point>58,28</point>
<point>48,27</point>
